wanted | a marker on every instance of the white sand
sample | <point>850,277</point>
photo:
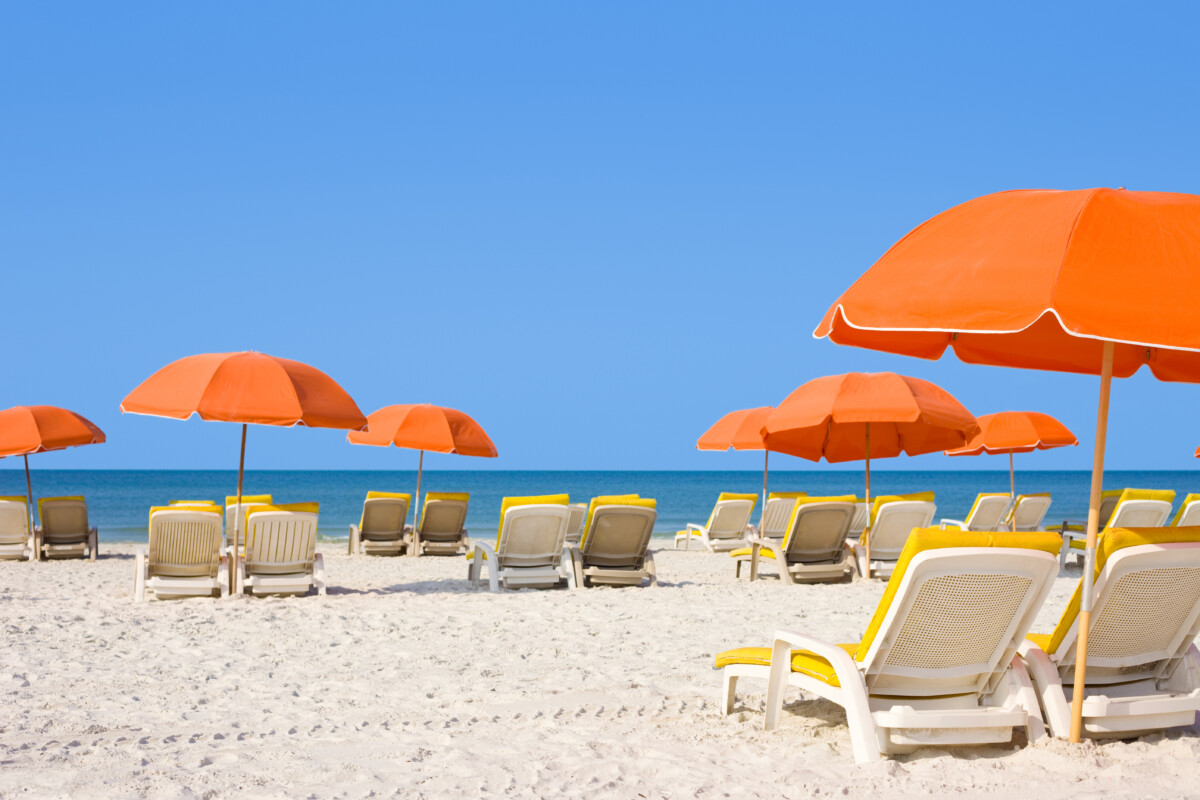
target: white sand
<point>406,682</point>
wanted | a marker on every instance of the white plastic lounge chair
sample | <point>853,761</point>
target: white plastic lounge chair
<point>1189,512</point>
<point>530,549</point>
<point>986,513</point>
<point>579,512</point>
<point>234,512</point>
<point>727,525</point>
<point>64,532</point>
<point>281,551</point>
<point>15,541</point>
<point>893,518</point>
<point>442,527</point>
<point>814,548</point>
<point>1030,512</point>
<point>381,530</point>
<point>937,666</point>
<point>774,523</point>
<point>616,538</point>
<point>184,557</point>
<point>1143,670</point>
<point>1134,508</point>
<point>859,523</point>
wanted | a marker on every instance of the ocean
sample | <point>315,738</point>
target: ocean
<point>118,500</point>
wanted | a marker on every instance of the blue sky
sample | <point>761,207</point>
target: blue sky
<point>594,227</point>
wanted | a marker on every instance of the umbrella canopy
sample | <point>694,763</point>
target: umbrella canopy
<point>860,415</point>
<point>39,429</point>
<point>1099,282</point>
<point>250,388</point>
<point>425,427</point>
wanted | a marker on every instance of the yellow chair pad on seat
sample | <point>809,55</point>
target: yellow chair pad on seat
<point>803,661</point>
<point>1042,640</point>
<point>745,551</point>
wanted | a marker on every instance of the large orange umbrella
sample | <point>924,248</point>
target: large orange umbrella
<point>859,416</point>
<point>1016,432</point>
<point>250,388</point>
<point>1098,282</point>
<point>425,427</point>
<point>39,429</point>
<point>740,430</point>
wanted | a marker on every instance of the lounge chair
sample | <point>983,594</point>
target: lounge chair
<point>579,512</point>
<point>281,551</point>
<point>1143,670</point>
<point>530,549</point>
<point>727,525</point>
<point>1189,512</point>
<point>1029,511</point>
<point>442,527</point>
<point>15,541</point>
<point>382,528</point>
<point>234,512</point>
<point>859,523</point>
<point>774,524</point>
<point>814,548</point>
<point>615,542</point>
<point>1133,508</point>
<point>184,558</point>
<point>64,532</point>
<point>893,517</point>
<point>986,513</point>
<point>937,665</point>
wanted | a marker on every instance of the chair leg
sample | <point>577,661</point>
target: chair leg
<point>727,695</point>
<point>93,543</point>
<point>651,569</point>
<point>781,661</point>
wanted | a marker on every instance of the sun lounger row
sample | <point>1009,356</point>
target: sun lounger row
<point>64,531</point>
<point>948,657</point>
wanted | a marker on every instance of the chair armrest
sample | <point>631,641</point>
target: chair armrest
<point>838,658</point>
<point>958,523</point>
<point>691,526</point>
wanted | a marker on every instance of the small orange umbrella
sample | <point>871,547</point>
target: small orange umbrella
<point>834,418</point>
<point>1098,282</point>
<point>425,427</point>
<point>740,430</point>
<point>39,429</point>
<point>1016,432</point>
<point>250,388</point>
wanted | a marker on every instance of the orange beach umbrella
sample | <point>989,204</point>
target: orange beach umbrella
<point>860,415</point>
<point>1098,281</point>
<point>740,430</point>
<point>247,388</point>
<point>1016,432</point>
<point>39,429</point>
<point>425,427</point>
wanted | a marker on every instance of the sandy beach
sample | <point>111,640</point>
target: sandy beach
<point>405,681</point>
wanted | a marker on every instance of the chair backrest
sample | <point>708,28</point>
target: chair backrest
<point>384,514</point>
<point>1189,512</point>
<point>730,515</point>
<point>817,529</point>
<point>281,539</point>
<point>1029,511</point>
<point>987,512</point>
<point>859,523</point>
<point>234,512</point>
<point>14,520</point>
<point>1146,607</point>
<point>64,519</point>
<point>532,534</point>
<point>893,524</point>
<point>192,503</point>
<point>579,513</point>
<point>444,515</point>
<point>778,514</point>
<point>955,611</point>
<point>1141,508</point>
<point>185,541</point>
<point>618,533</point>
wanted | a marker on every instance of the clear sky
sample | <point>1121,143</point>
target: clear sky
<point>593,226</point>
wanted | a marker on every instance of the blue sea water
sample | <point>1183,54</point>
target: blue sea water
<point>118,500</point>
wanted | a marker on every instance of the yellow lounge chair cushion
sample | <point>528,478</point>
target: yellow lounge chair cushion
<point>213,509</point>
<point>803,661</point>
<point>786,495</point>
<point>613,500</point>
<point>1109,543</point>
<point>231,499</point>
<point>532,500</point>
<point>744,552</point>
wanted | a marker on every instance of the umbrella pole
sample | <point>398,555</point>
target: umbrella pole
<point>867,529</point>
<point>37,550</point>
<point>237,516</point>
<point>1012,492</point>
<point>762,519</point>
<point>1089,561</point>
<point>416,543</point>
